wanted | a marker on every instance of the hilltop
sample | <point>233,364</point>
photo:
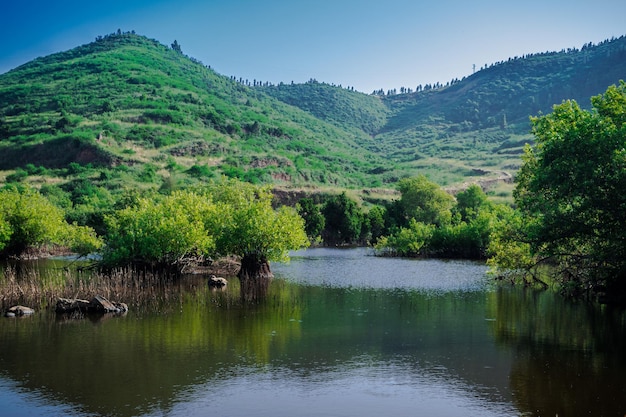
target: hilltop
<point>127,112</point>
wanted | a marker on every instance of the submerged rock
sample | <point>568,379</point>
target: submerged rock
<point>18,311</point>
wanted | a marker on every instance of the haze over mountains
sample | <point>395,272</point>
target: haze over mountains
<point>133,111</point>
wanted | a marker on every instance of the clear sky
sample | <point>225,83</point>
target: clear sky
<point>363,44</point>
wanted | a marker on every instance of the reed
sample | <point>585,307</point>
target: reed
<point>139,289</point>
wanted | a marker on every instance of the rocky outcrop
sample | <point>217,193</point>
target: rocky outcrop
<point>19,311</point>
<point>97,304</point>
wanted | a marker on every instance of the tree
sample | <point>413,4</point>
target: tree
<point>344,220</point>
<point>176,47</point>
<point>253,230</point>
<point>570,191</point>
<point>470,201</point>
<point>424,201</point>
<point>228,218</point>
<point>166,234</point>
<point>376,219</point>
<point>314,221</point>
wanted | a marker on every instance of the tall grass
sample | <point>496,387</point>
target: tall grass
<point>41,288</point>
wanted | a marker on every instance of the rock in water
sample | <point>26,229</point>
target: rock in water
<point>217,282</point>
<point>98,304</point>
<point>18,311</point>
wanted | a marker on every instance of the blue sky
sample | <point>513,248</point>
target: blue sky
<point>367,45</point>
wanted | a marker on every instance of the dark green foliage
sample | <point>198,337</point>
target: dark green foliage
<point>18,176</point>
<point>314,221</point>
<point>344,220</point>
<point>376,223</point>
<point>570,193</point>
<point>200,171</point>
<point>426,221</point>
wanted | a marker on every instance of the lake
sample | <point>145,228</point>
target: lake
<point>340,333</point>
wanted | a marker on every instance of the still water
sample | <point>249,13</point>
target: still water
<point>341,333</point>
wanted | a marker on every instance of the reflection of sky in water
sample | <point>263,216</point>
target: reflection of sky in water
<point>365,388</point>
<point>18,402</point>
<point>331,267</point>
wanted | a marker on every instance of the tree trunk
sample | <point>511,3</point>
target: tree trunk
<point>254,277</point>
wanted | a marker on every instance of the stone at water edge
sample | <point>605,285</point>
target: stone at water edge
<point>98,304</point>
<point>101,304</point>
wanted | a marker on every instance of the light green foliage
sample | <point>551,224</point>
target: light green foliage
<point>408,241</point>
<point>314,221</point>
<point>162,233</point>
<point>29,220</point>
<point>228,218</point>
<point>509,254</point>
<point>425,201</point>
<point>251,225</point>
<point>440,229</point>
<point>5,231</point>
<point>570,191</point>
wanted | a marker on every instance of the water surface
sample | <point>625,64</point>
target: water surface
<point>341,333</point>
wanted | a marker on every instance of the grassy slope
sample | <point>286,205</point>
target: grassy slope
<point>128,100</point>
<point>146,115</point>
<point>474,129</point>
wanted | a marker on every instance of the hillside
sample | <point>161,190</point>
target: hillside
<point>472,127</point>
<point>126,112</point>
<point>125,103</point>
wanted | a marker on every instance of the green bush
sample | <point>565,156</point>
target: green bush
<point>29,220</point>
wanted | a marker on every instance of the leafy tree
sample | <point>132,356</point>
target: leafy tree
<point>344,220</point>
<point>434,230</point>
<point>5,231</point>
<point>314,220</point>
<point>509,252</point>
<point>424,201</point>
<point>376,220</point>
<point>176,47</point>
<point>252,229</point>
<point>570,192</point>
<point>28,220</point>
<point>408,241</point>
<point>470,201</point>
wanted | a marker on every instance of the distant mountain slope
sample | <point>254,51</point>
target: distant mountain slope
<point>471,127</point>
<point>342,107</point>
<point>517,88</point>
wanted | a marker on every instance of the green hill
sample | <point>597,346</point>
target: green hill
<point>472,127</point>
<point>124,103</point>
<point>126,112</point>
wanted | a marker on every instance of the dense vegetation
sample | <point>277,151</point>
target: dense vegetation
<point>191,227</point>
<point>572,208</point>
<point>130,143</point>
<point>28,220</point>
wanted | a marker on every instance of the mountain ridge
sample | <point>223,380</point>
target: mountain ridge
<point>144,113</point>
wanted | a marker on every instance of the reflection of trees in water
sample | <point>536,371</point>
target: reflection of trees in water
<point>569,356</point>
<point>140,363</point>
